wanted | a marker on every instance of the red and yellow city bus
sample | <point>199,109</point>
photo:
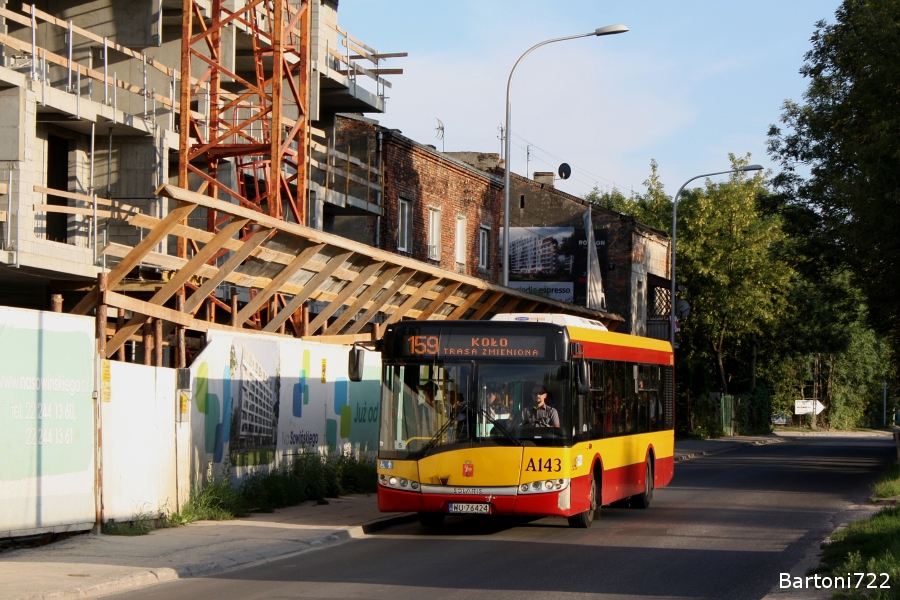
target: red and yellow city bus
<point>458,430</point>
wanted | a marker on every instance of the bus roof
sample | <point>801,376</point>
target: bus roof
<point>587,330</point>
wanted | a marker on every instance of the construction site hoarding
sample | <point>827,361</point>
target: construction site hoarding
<point>46,422</point>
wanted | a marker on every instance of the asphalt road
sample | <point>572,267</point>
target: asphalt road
<point>725,528</point>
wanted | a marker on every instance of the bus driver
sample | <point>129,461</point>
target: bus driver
<point>542,414</point>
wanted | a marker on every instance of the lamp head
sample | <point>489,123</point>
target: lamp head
<point>751,168</point>
<point>610,30</point>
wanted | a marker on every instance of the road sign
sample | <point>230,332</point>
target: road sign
<point>806,407</point>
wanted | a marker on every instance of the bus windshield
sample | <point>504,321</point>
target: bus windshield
<point>444,405</point>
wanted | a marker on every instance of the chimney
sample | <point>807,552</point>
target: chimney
<point>544,177</point>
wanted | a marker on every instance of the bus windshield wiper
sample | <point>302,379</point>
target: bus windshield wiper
<point>502,429</point>
<point>434,440</point>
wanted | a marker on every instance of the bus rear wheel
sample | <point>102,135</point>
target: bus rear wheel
<point>643,499</point>
<point>584,519</point>
<point>427,519</point>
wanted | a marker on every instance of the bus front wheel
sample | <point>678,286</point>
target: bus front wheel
<point>584,519</point>
<point>431,519</point>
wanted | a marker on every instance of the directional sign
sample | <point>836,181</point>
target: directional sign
<point>806,407</point>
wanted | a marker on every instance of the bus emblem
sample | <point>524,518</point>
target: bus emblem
<point>468,469</point>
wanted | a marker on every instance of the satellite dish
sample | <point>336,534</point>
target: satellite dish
<point>682,309</point>
<point>565,171</point>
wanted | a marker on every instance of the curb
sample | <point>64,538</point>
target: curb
<point>150,577</point>
<point>737,445</point>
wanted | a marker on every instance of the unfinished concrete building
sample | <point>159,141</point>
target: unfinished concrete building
<point>155,149</point>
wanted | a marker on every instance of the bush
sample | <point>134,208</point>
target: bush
<point>308,477</point>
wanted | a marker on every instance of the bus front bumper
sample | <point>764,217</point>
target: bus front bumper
<point>501,501</point>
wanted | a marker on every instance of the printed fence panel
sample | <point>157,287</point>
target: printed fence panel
<point>46,422</point>
<point>138,422</point>
<point>260,399</point>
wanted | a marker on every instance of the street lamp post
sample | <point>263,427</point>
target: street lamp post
<point>608,30</point>
<point>674,237</point>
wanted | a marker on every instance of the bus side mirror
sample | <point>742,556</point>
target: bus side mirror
<point>582,380</point>
<point>355,364</point>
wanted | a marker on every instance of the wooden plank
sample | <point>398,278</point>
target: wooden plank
<point>4,188</point>
<point>154,237</point>
<point>375,71</point>
<point>439,301</point>
<point>308,290</point>
<point>199,235</point>
<point>2,216</point>
<point>344,295</point>
<point>155,311</point>
<point>466,304</point>
<point>263,296</point>
<point>158,312</point>
<point>361,300</point>
<point>411,301</point>
<point>338,339</point>
<point>380,55</point>
<point>233,262</point>
<point>377,305</point>
<point>70,210</point>
<point>175,283</point>
<point>486,306</point>
<point>177,193</point>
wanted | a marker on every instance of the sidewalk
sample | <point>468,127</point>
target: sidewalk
<point>688,449</point>
<point>96,565</point>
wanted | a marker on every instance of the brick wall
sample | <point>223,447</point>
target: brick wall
<point>430,179</point>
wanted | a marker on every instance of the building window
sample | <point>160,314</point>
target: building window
<point>434,233</point>
<point>404,226</point>
<point>484,246</point>
<point>461,240</point>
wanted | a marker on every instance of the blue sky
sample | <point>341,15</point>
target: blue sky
<point>691,82</point>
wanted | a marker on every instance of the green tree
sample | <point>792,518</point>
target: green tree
<point>840,151</point>
<point>735,280</point>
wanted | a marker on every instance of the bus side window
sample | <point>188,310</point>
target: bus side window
<point>619,397</point>
<point>640,404</point>
<point>598,400</point>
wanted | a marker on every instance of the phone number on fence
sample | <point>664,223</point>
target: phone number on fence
<point>45,436</point>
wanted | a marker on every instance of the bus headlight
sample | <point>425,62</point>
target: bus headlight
<point>542,487</point>
<point>400,483</point>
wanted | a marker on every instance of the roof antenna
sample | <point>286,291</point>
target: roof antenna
<point>440,132</point>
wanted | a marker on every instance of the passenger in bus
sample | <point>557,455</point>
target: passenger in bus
<point>428,408</point>
<point>497,406</point>
<point>541,414</point>
<point>458,413</point>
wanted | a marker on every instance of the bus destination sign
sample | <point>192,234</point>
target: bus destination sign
<point>457,344</point>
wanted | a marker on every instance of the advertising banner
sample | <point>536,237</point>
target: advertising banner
<point>46,422</point>
<point>553,261</point>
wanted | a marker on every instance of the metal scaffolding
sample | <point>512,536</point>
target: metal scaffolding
<point>254,115</point>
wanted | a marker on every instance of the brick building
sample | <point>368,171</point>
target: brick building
<point>435,207</point>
